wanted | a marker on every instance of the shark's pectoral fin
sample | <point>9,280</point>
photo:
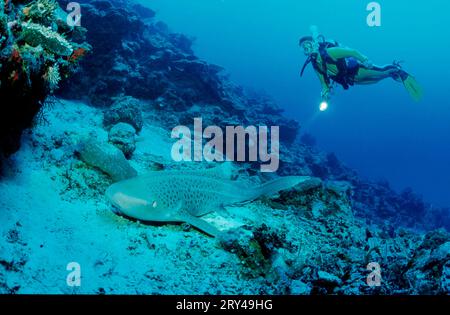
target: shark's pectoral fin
<point>184,216</point>
<point>200,224</point>
<point>222,211</point>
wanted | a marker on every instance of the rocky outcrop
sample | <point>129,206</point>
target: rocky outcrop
<point>123,136</point>
<point>146,61</point>
<point>124,110</point>
<point>332,251</point>
<point>107,158</point>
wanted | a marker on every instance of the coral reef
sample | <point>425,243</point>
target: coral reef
<point>156,71</point>
<point>53,77</point>
<point>41,11</point>
<point>307,240</point>
<point>316,238</point>
<point>34,57</point>
<point>152,64</point>
<point>35,35</point>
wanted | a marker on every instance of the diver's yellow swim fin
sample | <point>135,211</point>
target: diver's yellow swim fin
<point>413,88</point>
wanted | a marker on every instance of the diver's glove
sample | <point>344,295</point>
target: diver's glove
<point>325,94</point>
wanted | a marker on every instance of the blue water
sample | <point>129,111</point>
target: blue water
<point>377,130</point>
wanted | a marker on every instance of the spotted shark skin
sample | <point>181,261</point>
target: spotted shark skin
<point>184,196</point>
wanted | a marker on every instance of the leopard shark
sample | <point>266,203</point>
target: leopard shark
<point>185,195</point>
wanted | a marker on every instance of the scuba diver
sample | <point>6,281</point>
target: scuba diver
<point>334,63</point>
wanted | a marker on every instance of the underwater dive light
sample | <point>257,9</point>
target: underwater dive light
<point>323,106</point>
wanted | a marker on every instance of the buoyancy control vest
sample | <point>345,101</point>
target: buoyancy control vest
<point>347,67</point>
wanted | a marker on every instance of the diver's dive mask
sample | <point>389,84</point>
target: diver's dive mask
<point>307,48</point>
<point>310,47</point>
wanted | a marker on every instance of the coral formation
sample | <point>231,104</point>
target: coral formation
<point>316,238</point>
<point>107,158</point>
<point>257,249</point>
<point>36,34</point>
<point>41,11</point>
<point>125,109</point>
<point>52,76</point>
<point>123,136</point>
<point>34,56</point>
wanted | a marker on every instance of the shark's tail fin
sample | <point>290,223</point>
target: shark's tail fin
<point>279,184</point>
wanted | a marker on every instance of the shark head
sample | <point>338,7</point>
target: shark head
<point>127,198</point>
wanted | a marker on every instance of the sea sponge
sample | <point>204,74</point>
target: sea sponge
<point>35,35</point>
<point>107,158</point>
